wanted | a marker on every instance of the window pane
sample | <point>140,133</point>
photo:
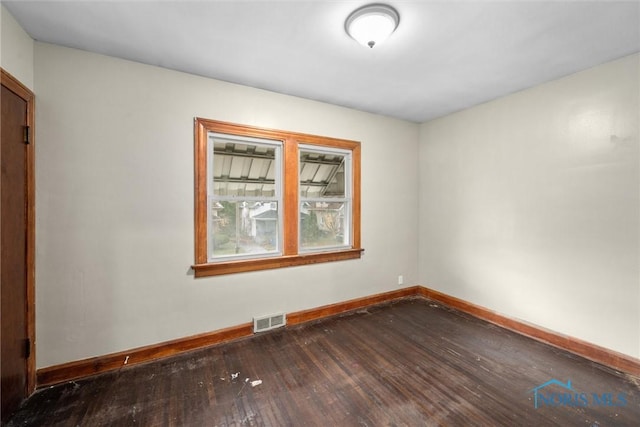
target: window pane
<point>244,180</point>
<point>322,174</point>
<point>243,169</point>
<point>244,227</point>
<point>323,224</point>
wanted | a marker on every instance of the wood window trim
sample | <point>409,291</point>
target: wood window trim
<point>290,256</point>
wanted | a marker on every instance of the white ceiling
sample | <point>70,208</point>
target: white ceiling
<point>445,55</point>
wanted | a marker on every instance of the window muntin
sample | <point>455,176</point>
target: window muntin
<point>244,195</point>
<point>325,198</point>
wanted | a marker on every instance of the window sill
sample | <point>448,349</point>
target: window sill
<point>240,266</point>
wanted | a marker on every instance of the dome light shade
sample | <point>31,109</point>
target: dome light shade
<point>370,25</point>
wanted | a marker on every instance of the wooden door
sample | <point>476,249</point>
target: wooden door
<point>16,204</point>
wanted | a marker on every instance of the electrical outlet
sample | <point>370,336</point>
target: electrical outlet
<point>400,280</point>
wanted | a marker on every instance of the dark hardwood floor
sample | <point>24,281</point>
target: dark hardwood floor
<point>411,363</point>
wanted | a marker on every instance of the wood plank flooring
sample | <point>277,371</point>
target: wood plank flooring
<point>411,363</point>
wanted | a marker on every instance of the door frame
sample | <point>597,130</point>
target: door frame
<point>14,85</point>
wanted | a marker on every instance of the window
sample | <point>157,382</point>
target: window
<point>243,197</point>
<point>325,198</point>
<point>269,199</point>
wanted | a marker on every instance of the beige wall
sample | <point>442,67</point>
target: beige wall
<point>529,205</point>
<point>115,206</point>
<point>16,49</point>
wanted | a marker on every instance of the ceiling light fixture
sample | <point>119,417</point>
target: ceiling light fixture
<point>372,24</point>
